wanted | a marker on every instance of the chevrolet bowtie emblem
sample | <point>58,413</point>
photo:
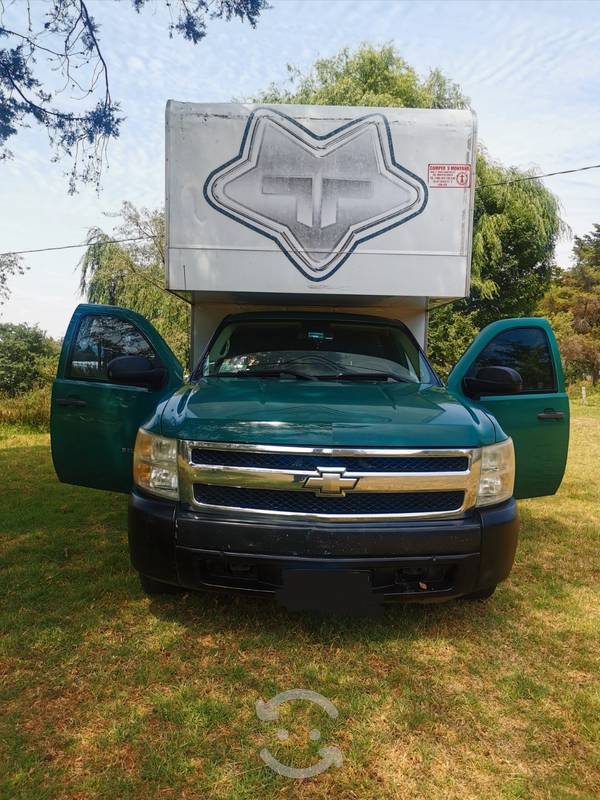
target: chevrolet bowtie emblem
<point>317,196</point>
<point>331,482</point>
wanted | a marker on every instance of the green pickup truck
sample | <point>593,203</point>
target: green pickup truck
<point>313,450</point>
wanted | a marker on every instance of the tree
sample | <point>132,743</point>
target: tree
<point>573,306</point>
<point>27,358</point>
<point>64,35</point>
<point>516,222</point>
<point>450,332</point>
<point>132,274</point>
<point>369,76</point>
<point>10,264</point>
<point>515,228</point>
<point>586,251</point>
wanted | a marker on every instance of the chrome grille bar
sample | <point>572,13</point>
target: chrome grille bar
<point>249,477</point>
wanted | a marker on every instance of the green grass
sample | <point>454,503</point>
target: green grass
<point>107,694</point>
<point>30,409</point>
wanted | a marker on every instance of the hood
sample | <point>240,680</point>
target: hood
<point>323,414</point>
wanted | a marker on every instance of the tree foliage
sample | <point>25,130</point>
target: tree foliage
<point>515,229</point>
<point>63,35</point>
<point>132,274</point>
<point>27,358</point>
<point>10,264</point>
<point>450,332</point>
<point>369,76</point>
<point>573,306</point>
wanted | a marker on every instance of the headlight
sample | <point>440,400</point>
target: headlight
<point>155,464</point>
<point>497,479</point>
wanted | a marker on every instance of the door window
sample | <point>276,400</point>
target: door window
<point>100,339</point>
<point>525,349</point>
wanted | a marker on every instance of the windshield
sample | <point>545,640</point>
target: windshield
<point>316,349</point>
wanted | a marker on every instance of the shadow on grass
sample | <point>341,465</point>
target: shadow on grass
<point>263,620</point>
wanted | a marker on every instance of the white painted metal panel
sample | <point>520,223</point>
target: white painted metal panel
<point>307,202</point>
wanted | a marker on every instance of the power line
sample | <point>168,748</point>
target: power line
<point>72,246</point>
<point>537,177</point>
<point>140,238</point>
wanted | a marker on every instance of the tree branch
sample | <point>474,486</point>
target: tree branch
<point>75,55</point>
<point>90,28</point>
<point>31,42</point>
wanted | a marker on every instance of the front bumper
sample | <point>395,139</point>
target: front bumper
<point>425,561</point>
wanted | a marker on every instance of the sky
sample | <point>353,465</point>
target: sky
<point>531,70</point>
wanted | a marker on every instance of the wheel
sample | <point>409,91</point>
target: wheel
<point>481,594</point>
<point>152,586</point>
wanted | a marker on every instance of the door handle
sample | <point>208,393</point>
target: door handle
<point>70,401</point>
<point>550,413</point>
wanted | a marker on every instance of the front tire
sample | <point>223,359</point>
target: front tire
<point>152,587</point>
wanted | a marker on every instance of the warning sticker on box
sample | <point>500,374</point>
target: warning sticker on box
<point>449,176</point>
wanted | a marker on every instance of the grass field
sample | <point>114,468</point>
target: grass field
<point>107,694</point>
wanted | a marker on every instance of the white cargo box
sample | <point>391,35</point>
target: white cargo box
<point>316,200</point>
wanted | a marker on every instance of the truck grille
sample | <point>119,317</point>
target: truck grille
<point>368,503</point>
<point>329,483</point>
<point>303,461</point>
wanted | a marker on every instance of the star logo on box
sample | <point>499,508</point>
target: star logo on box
<point>318,197</point>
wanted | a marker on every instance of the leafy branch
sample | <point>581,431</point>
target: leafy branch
<point>66,37</point>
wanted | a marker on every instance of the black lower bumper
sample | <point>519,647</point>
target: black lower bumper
<point>425,561</point>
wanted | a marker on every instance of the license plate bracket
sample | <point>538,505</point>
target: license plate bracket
<point>340,592</point>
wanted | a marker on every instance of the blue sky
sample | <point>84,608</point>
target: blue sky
<point>531,69</point>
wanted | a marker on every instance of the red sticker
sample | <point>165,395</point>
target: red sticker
<point>449,176</point>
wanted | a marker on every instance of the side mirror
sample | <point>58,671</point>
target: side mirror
<point>135,371</point>
<point>493,380</point>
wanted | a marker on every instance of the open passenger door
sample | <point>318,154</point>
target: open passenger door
<point>114,370</point>
<point>537,417</point>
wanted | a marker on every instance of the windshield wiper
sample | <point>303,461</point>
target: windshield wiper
<point>265,373</point>
<point>365,376</point>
